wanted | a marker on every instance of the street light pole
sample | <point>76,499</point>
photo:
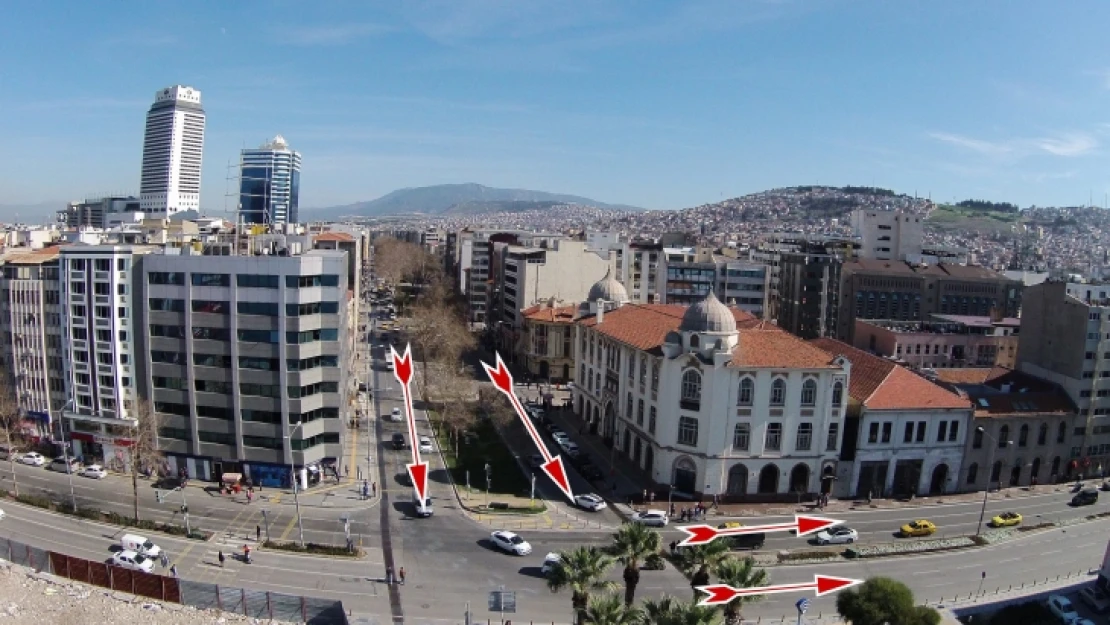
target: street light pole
<point>296,484</point>
<point>65,452</point>
<point>990,475</point>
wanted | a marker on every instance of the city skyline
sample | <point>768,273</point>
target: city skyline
<point>661,106</point>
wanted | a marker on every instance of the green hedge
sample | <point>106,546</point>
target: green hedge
<point>807,555</point>
<point>313,548</point>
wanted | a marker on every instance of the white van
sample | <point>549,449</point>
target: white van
<point>140,545</point>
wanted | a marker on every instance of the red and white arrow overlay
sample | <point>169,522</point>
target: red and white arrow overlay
<point>418,471</point>
<point>720,594</point>
<point>553,465</point>
<point>802,525</point>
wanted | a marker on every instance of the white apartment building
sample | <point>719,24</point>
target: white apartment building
<point>639,268</point>
<point>888,235</point>
<point>30,320</point>
<point>911,433</point>
<point>99,313</point>
<point>708,399</point>
<point>529,275</point>
<point>173,149</point>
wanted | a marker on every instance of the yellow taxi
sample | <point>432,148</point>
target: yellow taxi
<point>921,527</point>
<point>1006,519</point>
<point>727,525</point>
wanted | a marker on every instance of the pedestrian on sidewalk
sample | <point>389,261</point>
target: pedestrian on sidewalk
<point>222,558</point>
<point>173,571</point>
<point>401,574</point>
<point>346,470</point>
<point>373,489</point>
<point>257,533</point>
<point>250,496</point>
<point>165,560</point>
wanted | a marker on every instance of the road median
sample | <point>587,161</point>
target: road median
<point>106,517</point>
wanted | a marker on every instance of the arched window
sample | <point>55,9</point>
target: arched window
<point>778,392</point>
<point>972,473</point>
<point>694,342</point>
<point>977,441</point>
<point>747,392</point>
<point>1003,436</point>
<point>809,393</point>
<point>837,394</point>
<point>1023,435</point>
<point>1042,434</point>
<point>691,389</point>
<point>1061,433</point>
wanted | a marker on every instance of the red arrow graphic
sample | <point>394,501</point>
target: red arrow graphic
<point>802,525</point>
<point>553,465</point>
<point>418,471</point>
<point>720,594</point>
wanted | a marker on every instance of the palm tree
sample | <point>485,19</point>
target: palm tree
<point>632,543</point>
<point>740,574</point>
<point>669,611</point>
<point>582,569</point>
<point>609,610</point>
<point>697,561</point>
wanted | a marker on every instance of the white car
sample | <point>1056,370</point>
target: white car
<point>95,471</point>
<point>1,515</point>
<point>33,458</point>
<point>395,415</point>
<point>510,542</point>
<point>425,445</point>
<point>560,437</point>
<point>128,559</point>
<point>570,448</point>
<point>1062,607</point>
<point>651,518</point>
<point>590,502</point>
<point>549,563</point>
<point>837,536</point>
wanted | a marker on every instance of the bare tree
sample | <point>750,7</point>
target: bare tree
<point>143,453</point>
<point>396,261</point>
<point>11,421</point>
<point>439,335</point>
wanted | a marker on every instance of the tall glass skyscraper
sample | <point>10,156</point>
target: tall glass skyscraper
<point>173,147</point>
<point>270,182</point>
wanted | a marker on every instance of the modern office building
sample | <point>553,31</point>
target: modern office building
<point>242,349</point>
<point>97,212</point>
<point>101,313</point>
<point>809,289</point>
<point>173,149</point>
<point>1065,339</point>
<point>269,184</point>
<point>31,327</point>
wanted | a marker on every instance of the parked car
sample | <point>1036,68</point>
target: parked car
<point>536,461</point>
<point>34,459</point>
<point>920,527</point>
<point>570,448</point>
<point>747,541</point>
<point>1062,607</point>
<point>1,515</point>
<point>140,545</point>
<point>65,465</point>
<point>590,502</point>
<point>651,518</point>
<point>95,471</point>
<point>425,445</point>
<point>1093,596</point>
<point>128,559</point>
<point>510,542</point>
<point>1006,519</point>
<point>839,535</point>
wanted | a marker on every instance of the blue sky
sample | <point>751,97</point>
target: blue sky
<point>656,104</point>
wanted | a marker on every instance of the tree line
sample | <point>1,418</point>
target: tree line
<point>984,205</point>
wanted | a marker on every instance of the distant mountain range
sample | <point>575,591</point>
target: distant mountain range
<point>36,213</point>
<point>457,199</point>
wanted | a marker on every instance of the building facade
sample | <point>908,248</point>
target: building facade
<point>808,291</point>
<point>945,341</point>
<point>173,150</point>
<point>1066,340</point>
<point>31,326</point>
<point>708,400</point>
<point>242,349</point>
<point>102,312</point>
<point>903,291</point>
<point>904,434</point>
<point>270,184</point>
<point>547,351</point>
<point>888,235</point>
<point>97,213</point>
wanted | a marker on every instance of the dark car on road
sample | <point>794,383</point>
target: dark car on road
<point>398,441</point>
<point>1086,497</point>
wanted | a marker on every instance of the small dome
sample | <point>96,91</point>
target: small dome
<point>709,315</point>
<point>608,289</point>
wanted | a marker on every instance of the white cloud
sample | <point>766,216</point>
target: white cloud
<point>1066,145</point>
<point>330,35</point>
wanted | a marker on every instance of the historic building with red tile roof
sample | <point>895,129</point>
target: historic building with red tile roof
<point>904,434</point>
<point>709,399</point>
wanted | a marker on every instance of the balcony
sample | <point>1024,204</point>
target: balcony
<point>690,404</point>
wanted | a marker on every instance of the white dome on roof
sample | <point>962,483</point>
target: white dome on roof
<point>608,289</point>
<point>709,315</point>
